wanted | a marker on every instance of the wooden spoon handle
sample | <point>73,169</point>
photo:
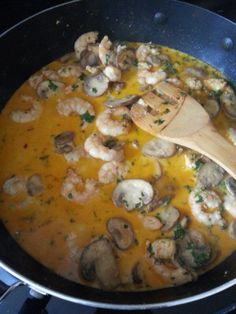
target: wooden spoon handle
<point>210,143</point>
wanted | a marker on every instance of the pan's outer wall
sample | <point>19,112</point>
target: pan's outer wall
<point>46,36</point>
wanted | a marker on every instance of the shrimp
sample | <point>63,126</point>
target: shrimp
<point>14,185</point>
<point>74,155</point>
<point>35,79</point>
<point>69,70</point>
<point>107,126</point>
<point>70,192</point>
<point>50,74</point>
<point>146,77</point>
<point>144,51</point>
<point>200,200</point>
<point>193,83</point>
<point>104,51</point>
<point>112,73</point>
<point>83,41</point>
<point>28,115</point>
<point>76,105</point>
<point>230,204</point>
<point>47,74</point>
<point>97,146</point>
<point>112,170</point>
<point>175,274</point>
<point>215,84</point>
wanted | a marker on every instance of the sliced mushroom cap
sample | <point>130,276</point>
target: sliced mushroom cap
<point>64,142</point>
<point>210,175</point>
<point>152,223</point>
<point>232,229</point>
<point>126,101</point>
<point>121,232</point>
<point>125,58</point>
<point>228,100</point>
<point>159,148</point>
<point>195,71</point>
<point>98,261</point>
<point>230,184</point>
<point>193,251</point>
<point>164,249</point>
<point>212,107</point>
<point>48,88</point>
<point>136,274</point>
<point>88,58</point>
<point>96,85</point>
<point>169,218</point>
<point>133,193</point>
<point>34,185</point>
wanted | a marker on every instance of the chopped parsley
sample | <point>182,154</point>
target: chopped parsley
<point>166,111</point>
<point>52,86</point>
<point>138,205</point>
<point>94,90</point>
<point>82,77</point>
<point>87,117</point>
<point>150,249</point>
<point>200,259</point>
<point>70,196</point>
<point>198,198</point>
<point>179,232</point>
<point>107,58</point>
<point>125,202</point>
<point>126,226</point>
<point>159,121</point>
<point>110,143</point>
<point>216,94</point>
<point>74,87</point>
<point>188,188</point>
<point>197,164</point>
<point>169,68</point>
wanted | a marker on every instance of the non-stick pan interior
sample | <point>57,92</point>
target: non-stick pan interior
<point>46,36</point>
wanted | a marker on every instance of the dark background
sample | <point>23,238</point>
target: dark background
<point>12,12</point>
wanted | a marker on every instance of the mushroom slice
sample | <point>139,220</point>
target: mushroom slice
<point>152,223</point>
<point>48,88</point>
<point>228,100</point>
<point>230,184</point>
<point>232,229</point>
<point>195,71</point>
<point>210,175</point>
<point>98,261</point>
<point>193,251</point>
<point>96,85</point>
<point>164,249</point>
<point>159,148</point>
<point>133,193</point>
<point>121,232</point>
<point>125,58</point>
<point>169,217</point>
<point>88,58</point>
<point>126,101</point>
<point>212,107</point>
<point>64,142</point>
<point>34,185</point>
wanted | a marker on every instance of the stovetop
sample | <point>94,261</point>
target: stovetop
<point>13,11</point>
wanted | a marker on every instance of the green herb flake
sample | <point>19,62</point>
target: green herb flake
<point>107,58</point>
<point>159,121</point>
<point>150,249</point>
<point>74,87</point>
<point>197,164</point>
<point>199,259</point>
<point>125,202</point>
<point>87,117</point>
<point>179,232</point>
<point>126,226</point>
<point>169,68</point>
<point>166,111</point>
<point>52,86</point>
<point>94,90</point>
<point>198,198</point>
<point>82,77</point>
<point>188,188</point>
<point>70,196</point>
<point>110,143</point>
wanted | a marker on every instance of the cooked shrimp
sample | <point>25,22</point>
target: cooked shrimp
<point>97,146</point>
<point>112,73</point>
<point>37,78</point>
<point>144,51</point>
<point>28,115</point>
<point>14,185</point>
<point>50,74</point>
<point>146,77</point>
<point>112,170</point>
<point>74,155</point>
<point>200,200</point>
<point>193,83</point>
<point>76,105</point>
<point>69,70</point>
<point>83,41</point>
<point>177,275</point>
<point>215,84</point>
<point>107,126</point>
<point>230,204</point>
<point>70,192</point>
<point>105,53</point>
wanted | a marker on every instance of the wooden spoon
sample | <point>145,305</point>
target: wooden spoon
<point>171,114</point>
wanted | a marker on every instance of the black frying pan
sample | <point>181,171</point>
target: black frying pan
<point>50,34</point>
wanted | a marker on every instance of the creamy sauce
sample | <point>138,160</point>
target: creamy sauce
<point>54,230</point>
